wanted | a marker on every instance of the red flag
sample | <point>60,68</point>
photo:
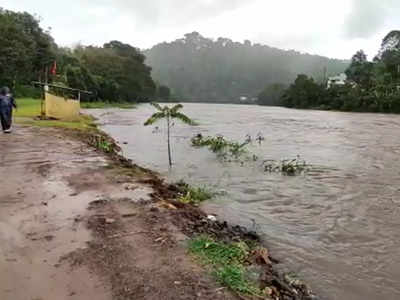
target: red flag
<point>53,70</point>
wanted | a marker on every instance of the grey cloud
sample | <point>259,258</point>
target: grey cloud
<point>176,12</point>
<point>369,16</point>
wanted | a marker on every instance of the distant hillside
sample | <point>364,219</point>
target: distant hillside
<point>201,69</point>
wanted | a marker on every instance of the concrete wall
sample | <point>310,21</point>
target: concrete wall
<point>62,109</point>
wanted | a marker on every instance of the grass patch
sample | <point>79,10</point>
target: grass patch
<point>193,195</point>
<point>219,253</point>
<point>228,262</point>
<point>83,123</point>
<point>101,104</point>
<point>29,109</point>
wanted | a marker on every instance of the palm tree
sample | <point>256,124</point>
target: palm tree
<point>168,113</point>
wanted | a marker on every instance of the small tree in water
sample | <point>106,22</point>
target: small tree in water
<point>168,113</point>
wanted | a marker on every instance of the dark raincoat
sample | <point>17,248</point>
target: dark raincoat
<point>7,103</point>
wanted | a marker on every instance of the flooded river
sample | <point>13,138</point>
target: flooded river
<point>338,226</point>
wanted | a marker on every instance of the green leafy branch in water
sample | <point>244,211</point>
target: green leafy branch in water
<point>220,145</point>
<point>226,149</point>
<point>290,167</point>
<point>193,195</point>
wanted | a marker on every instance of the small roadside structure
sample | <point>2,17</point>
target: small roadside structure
<point>337,80</point>
<point>60,103</point>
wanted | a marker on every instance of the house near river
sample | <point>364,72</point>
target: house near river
<point>337,80</point>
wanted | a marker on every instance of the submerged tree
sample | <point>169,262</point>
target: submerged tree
<point>168,113</point>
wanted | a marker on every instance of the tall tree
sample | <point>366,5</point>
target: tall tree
<point>25,48</point>
<point>168,113</point>
<point>303,93</point>
<point>119,65</point>
<point>360,69</point>
<point>390,42</point>
<point>272,94</point>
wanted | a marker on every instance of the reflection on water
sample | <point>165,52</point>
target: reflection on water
<point>338,225</point>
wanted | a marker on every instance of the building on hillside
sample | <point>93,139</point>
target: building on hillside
<point>337,80</point>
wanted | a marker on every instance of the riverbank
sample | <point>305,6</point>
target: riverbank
<point>76,225</point>
<point>233,255</point>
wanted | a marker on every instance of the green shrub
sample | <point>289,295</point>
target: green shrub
<point>193,195</point>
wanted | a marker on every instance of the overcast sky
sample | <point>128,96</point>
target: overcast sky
<point>332,28</point>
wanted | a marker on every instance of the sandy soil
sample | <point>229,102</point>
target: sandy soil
<point>74,226</point>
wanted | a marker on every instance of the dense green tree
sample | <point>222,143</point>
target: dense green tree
<point>272,95</point>
<point>360,70</point>
<point>119,66</point>
<point>391,60</point>
<point>25,48</point>
<point>390,42</point>
<point>303,93</point>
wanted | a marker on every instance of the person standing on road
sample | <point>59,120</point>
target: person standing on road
<point>7,103</point>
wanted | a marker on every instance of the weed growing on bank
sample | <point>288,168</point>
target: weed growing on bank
<point>228,262</point>
<point>193,195</point>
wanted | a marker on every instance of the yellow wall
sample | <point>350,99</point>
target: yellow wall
<point>62,109</point>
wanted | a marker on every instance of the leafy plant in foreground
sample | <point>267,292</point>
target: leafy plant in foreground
<point>168,113</point>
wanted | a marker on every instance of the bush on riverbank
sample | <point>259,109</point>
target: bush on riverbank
<point>305,93</point>
<point>193,195</point>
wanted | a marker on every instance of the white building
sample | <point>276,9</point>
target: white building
<point>337,80</point>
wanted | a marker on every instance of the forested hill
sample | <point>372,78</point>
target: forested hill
<point>201,69</point>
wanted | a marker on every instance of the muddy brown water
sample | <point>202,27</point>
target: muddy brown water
<point>337,226</point>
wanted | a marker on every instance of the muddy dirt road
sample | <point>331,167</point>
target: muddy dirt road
<point>73,227</point>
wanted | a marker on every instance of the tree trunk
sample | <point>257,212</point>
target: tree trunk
<point>169,143</point>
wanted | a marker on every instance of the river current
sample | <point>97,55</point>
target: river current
<point>337,226</point>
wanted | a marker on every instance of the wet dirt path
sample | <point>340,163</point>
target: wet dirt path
<point>47,183</point>
<point>38,218</point>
